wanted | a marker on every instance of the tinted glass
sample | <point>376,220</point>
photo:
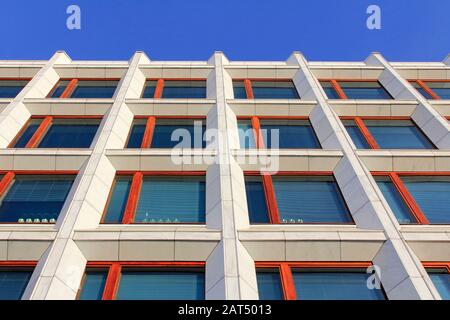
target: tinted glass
<point>256,200</point>
<point>246,135</point>
<point>397,134</point>
<point>289,134</point>
<point>395,201</point>
<point>441,280</point>
<point>334,286</point>
<point>157,205</point>
<point>94,89</point>
<point>161,285</point>
<point>239,90</point>
<point>13,283</point>
<point>442,89</point>
<point>356,135</point>
<point>184,89</point>
<point>118,200</point>
<point>269,285</point>
<point>274,90</point>
<point>93,286</point>
<point>61,135</point>
<point>329,90</point>
<point>27,134</point>
<point>364,90</point>
<point>10,89</point>
<point>136,136</point>
<point>310,200</point>
<point>180,134</point>
<point>34,198</point>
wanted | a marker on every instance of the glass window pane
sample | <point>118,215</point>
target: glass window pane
<point>356,135</point>
<point>269,285</point>
<point>364,90</point>
<point>239,90</point>
<point>94,284</point>
<point>311,285</point>
<point>441,280</point>
<point>256,200</point>
<point>66,135</point>
<point>94,89</point>
<point>13,283</point>
<point>149,89</point>
<point>442,89</point>
<point>274,90</point>
<point>179,134</point>
<point>58,91</point>
<point>35,197</point>
<point>246,135</point>
<point>421,90</point>
<point>395,201</point>
<point>27,134</point>
<point>329,90</point>
<point>157,205</point>
<point>11,88</point>
<point>161,285</point>
<point>285,134</point>
<point>136,136</point>
<point>397,134</point>
<point>310,200</point>
<point>432,196</point>
<point>184,89</point>
<point>118,200</point>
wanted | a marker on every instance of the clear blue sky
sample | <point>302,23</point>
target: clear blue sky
<point>412,30</point>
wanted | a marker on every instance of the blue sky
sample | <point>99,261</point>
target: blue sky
<point>412,30</point>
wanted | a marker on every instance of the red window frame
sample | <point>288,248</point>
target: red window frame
<point>359,121</point>
<point>114,269</point>
<point>135,190</point>
<point>44,126</point>
<point>340,92</point>
<point>249,88</point>
<point>9,175</point>
<point>71,86</point>
<point>271,200</point>
<point>406,196</point>
<point>426,88</point>
<point>150,127</point>
<point>256,125</point>
<point>285,271</point>
<point>160,82</point>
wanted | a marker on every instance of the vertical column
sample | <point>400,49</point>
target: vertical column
<point>401,274</point>
<point>59,271</point>
<point>230,271</point>
<point>425,116</point>
<point>16,114</point>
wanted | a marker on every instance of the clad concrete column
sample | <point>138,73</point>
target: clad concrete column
<point>425,116</point>
<point>60,270</point>
<point>230,271</point>
<point>402,275</point>
<point>16,114</point>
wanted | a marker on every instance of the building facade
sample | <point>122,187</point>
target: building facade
<point>295,179</point>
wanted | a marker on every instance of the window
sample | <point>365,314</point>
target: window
<point>432,89</point>
<point>51,132</point>
<point>144,281</point>
<point>315,281</point>
<point>264,89</point>
<point>84,88</point>
<point>167,133</point>
<point>33,198</point>
<point>295,199</point>
<point>13,281</point>
<point>149,199</point>
<point>175,89</point>
<point>354,89</point>
<point>279,134</point>
<point>386,134</point>
<point>11,88</point>
<point>440,275</point>
<point>417,199</point>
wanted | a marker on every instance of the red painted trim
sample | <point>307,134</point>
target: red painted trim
<point>176,79</point>
<point>408,198</point>
<point>147,263</point>
<point>90,79</point>
<point>169,117</point>
<point>366,133</point>
<point>293,173</point>
<point>74,117</point>
<point>428,89</point>
<point>287,282</point>
<point>5,182</point>
<point>164,173</point>
<point>133,197</point>
<point>248,89</point>
<point>259,141</point>
<point>338,89</point>
<point>159,89</point>
<point>18,263</point>
<point>434,264</point>
<point>376,118</point>
<point>271,199</point>
<point>315,264</point>
<point>69,89</point>
<point>41,172</point>
<point>148,133</point>
<point>274,117</point>
<point>14,79</point>
<point>39,133</point>
<point>112,282</point>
